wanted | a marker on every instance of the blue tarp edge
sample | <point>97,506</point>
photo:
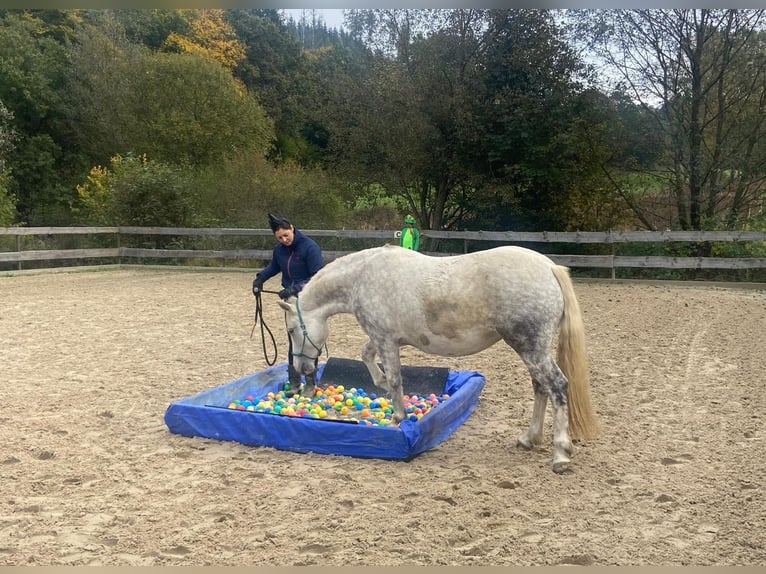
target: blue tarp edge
<point>206,415</point>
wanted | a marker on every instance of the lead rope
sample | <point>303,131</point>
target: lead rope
<point>264,328</point>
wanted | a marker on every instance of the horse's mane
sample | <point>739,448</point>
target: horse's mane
<point>338,278</point>
<point>334,280</point>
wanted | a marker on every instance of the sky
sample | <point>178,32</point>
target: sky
<point>333,17</point>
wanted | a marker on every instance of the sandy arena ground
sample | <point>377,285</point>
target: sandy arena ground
<point>91,475</point>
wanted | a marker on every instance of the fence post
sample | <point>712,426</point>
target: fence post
<point>613,254</point>
<point>18,248</point>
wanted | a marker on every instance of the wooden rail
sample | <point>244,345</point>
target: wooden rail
<point>508,236</point>
<point>612,261</point>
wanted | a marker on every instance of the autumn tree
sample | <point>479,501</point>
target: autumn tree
<point>210,35</point>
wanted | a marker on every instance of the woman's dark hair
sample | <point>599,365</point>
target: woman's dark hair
<point>277,222</point>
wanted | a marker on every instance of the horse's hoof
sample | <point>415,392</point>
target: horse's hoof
<point>562,468</point>
<point>522,443</point>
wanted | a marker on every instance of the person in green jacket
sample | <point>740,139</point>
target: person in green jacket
<point>410,238</point>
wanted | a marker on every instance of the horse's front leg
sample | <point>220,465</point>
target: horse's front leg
<point>534,435</point>
<point>369,353</point>
<point>389,355</point>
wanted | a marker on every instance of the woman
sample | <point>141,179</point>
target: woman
<point>298,258</point>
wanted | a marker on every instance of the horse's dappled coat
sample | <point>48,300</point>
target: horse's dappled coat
<point>456,306</point>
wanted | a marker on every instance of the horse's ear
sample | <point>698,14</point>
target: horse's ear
<point>287,306</point>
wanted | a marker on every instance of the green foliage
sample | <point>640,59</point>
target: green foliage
<point>151,27</point>
<point>138,191</point>
<point>746,249</point>
<point>276,70</point>
<point>44,197</point>
<point>467,118</point>
<point>7,136</point>
<point>242,189</point>
<point>481,106</point>
<point>7,203</point>
<point>192,109</point>
<point>179,108</point>
<point>534,131</point>
<point>33,65</point>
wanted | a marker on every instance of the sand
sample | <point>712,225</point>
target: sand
<point>91,475</point>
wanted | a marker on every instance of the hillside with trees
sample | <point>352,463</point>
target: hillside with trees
<point>468,119</point>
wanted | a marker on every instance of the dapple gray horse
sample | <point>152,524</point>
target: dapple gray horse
<point>457,306</point>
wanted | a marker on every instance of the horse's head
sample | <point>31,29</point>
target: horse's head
<point>307,333</point>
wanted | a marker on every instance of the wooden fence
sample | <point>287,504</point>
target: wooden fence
<point>123,252</point>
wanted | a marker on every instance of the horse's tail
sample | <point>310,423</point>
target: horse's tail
<point>573,361</point>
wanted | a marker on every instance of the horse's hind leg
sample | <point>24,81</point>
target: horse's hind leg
<point>548,379</point>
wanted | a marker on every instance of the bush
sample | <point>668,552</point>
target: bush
<point>137,191</point>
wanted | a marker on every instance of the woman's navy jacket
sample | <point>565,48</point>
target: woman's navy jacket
<point>298,263</point>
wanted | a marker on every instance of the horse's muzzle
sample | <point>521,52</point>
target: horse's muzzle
<point>305,366</point>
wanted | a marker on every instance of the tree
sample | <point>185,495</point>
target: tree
<point>33,65</point>
<point>462,108</point>
<point>174,107</point>
<point>397,116</point>
<point>277,70</point>
<point>190,108</point>
<point>211,36</point>
<point>702,74</point>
